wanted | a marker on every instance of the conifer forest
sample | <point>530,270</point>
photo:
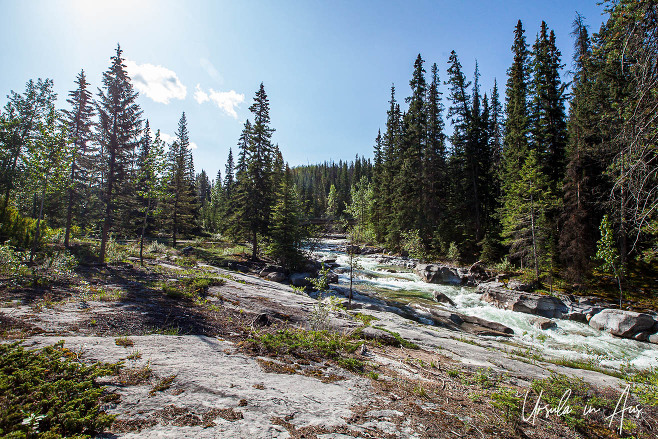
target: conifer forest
<point>524,173</point>
<point>480,245</point>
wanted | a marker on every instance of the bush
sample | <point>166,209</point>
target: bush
<point>48,392</point>
<point>412,243</point>
<point>17,230</point>
<point>453,253</point>
<point>12,262</point>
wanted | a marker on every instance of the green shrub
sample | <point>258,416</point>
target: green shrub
<point>453,253</point>
<point>16,229</point>
<point>191,287</point>
<point>49,393</point>
<point>12,262</point>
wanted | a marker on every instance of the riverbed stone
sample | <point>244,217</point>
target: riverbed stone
<point>529,303</point>
<point>543,323</point>
<point>276,276</point>
<point>300,279</point>
<point>518,285</point>
<point>442,298</point>
<point>622,323</point>
<point>439,274</point>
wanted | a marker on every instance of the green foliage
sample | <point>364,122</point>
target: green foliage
<point>312,345</point>
<point>453,253</point>
<point>15,229</point>
<point>399,341</point>
<point>509,402</point>
<point>12,262</point>
<point>320,283</point>
<point>412,243</point>
<point>365,318</point>
<point>50,393</point>
<point>287,232</point>
<point>191,287</point>
<point>645,386</point>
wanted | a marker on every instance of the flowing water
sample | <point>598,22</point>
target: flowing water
<point>570,340</point>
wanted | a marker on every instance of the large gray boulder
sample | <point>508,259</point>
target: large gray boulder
<point>622,323</point>
<point>439,274</point>
<point>276,276</point>
<point>544,306</point>
<point>299,279</point>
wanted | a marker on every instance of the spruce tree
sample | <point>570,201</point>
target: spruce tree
<point>408,183</point>
<point>182,199</point>
<point>119,128</point>
<point>287,231</point>
<point>515,143</point>
<point>83,157</point>
<point>548,119</point>
<point>254,189</point>
<point>526,228</point>
<point>150,183</point>
<point>434,159</point>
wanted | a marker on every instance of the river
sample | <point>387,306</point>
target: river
<point>569,340</point>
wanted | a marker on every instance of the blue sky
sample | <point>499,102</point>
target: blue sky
<point>327,66</point>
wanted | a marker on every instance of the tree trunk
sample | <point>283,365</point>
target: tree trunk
<point>254,246</point>
<point>141,240</point>
<point>35,242</point>
<point>534,239</point>
<point>69,218</point>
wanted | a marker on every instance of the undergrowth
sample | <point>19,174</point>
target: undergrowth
<point>49,394</point>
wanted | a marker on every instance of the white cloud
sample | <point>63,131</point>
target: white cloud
<point>226,100</point>
<point>200,96</point>
<point>157,82</point>
<point>169,139</point>
<point>211,70</point>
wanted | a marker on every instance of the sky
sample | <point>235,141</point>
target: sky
<point>327,66</point>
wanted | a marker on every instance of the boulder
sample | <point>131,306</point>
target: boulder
<point>442,298</point>
<point>332,277</point>
<point>517,285</point>
<point>622,323</point>
<point>299,279</point>
<point>276,276</point>
<point>499,328</point>
<point>438,274</point>
<point>543,323</point>
<point>271,269</point>
<point>653,338</point>
<point>544,306</point>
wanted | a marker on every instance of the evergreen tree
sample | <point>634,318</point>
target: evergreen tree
<point>434,159</point>
<point>150,188</point>
<point>255,170</point>
<point>525,226</point>
<point>119,126</point>
<point>392,158</point>
<point>83,166</point>
<point>182,199</point>
<point>408,181</point>
<point>515,143</point>
<point>548,120</point>
<point>287,231</point>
